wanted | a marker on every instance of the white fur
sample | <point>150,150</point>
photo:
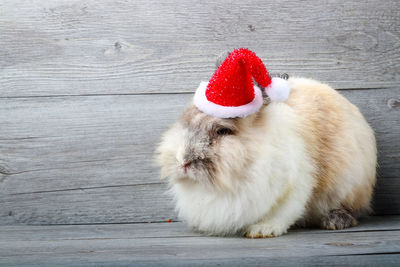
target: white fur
<point>210,108</point>
<point>282,165</point>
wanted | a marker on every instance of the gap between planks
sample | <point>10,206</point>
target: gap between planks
<point>159,93</point>
<point>85,188</point>
<point>363,226</point>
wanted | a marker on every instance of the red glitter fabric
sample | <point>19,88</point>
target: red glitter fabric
<point>232,83</point>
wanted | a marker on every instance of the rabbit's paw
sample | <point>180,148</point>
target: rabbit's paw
<point>265,230</point>
<point>338,219</point>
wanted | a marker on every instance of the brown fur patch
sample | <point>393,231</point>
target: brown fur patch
<point>323,113</point>
<point>203,143</point>
<point>201,138</point>
<point>359,200</point>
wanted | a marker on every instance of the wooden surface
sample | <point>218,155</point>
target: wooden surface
<point>375,242</point>
<point>65,47</point>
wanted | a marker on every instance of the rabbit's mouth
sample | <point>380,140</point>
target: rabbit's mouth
<point>200,170</point>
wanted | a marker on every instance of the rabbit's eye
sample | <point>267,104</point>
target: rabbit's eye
<point>224,131</point>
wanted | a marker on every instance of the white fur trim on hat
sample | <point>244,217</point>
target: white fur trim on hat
<point>278,90</point>
<point>210,108</point>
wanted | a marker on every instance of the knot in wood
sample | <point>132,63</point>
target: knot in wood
<point>393,103</point>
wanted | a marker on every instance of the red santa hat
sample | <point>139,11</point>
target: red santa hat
<point>231,93</point>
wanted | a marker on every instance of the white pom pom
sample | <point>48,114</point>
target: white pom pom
<point>278,90</point>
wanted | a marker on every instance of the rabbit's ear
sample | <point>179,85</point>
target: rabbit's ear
<point>221,57</point>
<point>284,76</point>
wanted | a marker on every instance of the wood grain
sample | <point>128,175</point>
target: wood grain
<point>65,47</point>
<point>89,159</point>
<point>112,204</point>
<point>171,244</point>
<point>88,87</point>
<point>160,230</point>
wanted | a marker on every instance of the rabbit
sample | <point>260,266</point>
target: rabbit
<point>310,160</point>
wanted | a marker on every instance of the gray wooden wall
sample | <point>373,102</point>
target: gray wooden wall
<point>87,88</point>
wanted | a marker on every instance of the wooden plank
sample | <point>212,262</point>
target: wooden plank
<point>127,244</point>
<point>345,260</point>
<point>55,142</point>
<point>60,157</point>
<point>112,204</point>
<point>159,230</point>
<point>65,47</point>
<point>340,260</point>
<point>83,159</point>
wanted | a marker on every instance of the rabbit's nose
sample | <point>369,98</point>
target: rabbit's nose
<point>186,166</point>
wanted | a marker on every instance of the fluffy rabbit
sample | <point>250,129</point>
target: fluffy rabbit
<point>308,160</point>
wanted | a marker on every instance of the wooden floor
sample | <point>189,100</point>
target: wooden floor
<point>374,242</point>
